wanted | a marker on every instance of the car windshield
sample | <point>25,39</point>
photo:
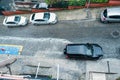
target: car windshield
<point>79,49</point>
<point>33,16</point>
<point>46,16</point>
<point>17,18</point>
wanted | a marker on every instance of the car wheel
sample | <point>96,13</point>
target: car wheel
<point>53,23</point>
<point>9,26</point>
<point>36,24</point>
<point>20,25</point>
<point>105,22</point>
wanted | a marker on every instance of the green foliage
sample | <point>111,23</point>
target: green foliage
<point>60,4</point>
<point>77,2</point>
<point>99,1</point>
<point>51,1</point>
<point>50,76</point>
<point>47,1</point>
<point>64,4</point>
<point>57,3</point>
<point>118,78</point>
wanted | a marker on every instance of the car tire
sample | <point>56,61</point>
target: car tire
<point>9,26</point>
<point>36,24</point>
<point>105,22</point>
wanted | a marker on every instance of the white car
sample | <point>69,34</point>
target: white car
<point>110,15</point>
<point>41,6</point>
<point>17,20</point>
<point>43,18</point>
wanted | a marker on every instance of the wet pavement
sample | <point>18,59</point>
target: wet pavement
<point>6,4</point>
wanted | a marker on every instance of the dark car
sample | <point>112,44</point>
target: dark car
<point>83,51</point>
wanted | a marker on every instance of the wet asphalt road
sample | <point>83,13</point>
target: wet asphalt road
<point>47,42</point>
<point>70,30</point>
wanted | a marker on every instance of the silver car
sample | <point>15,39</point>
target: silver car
<point>17,20</point>
<point>43,18</point>
<point>110,15</point>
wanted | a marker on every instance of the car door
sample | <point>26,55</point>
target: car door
<point>40,21</point>
<point>43,21</point>
<point>11,24</point>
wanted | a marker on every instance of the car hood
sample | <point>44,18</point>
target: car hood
<point>52,17</point>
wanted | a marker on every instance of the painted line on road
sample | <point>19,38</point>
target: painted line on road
<point>34,39</point>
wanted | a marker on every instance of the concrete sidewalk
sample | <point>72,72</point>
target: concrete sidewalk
<point>109,68</point>
<point>77,14</point>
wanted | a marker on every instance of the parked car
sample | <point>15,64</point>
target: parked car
<point>43,18</point>
<point>83,51</point>
<point>16,20</point>
<point>41,6</point>
<point>110,15</point>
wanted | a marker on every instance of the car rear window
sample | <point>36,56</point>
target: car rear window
<point>33,16</point>
<point>105,13</point>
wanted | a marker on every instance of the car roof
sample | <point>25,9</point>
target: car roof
<point>43,4</point>
<point>79,49</point>
<point>39,16</point>
<point>113,11</point>
<point>10,19</point>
